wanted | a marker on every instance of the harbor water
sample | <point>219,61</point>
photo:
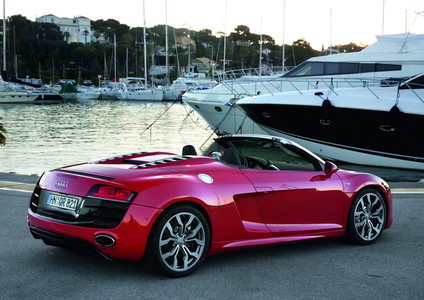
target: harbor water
<point>43,137</point>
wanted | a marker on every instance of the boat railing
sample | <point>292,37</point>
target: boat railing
<point>412,85</point>
<point>259,85</point>
<point>374,86</point>
<point>250,74</point>
<point>284,84</point>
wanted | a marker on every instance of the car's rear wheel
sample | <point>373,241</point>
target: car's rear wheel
<point>179,242</point>
<point>367,217</point>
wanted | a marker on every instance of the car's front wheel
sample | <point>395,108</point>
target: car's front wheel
<point>367,217</point>
<point>179,242</point>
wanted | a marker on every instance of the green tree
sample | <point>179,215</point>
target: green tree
<point>48,32</point>
<point>300,50</point>
<point>351,47</point>
<point>243,31</point>
<point>41,47</point>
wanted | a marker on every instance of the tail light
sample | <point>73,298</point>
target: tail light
<point>110,192</point>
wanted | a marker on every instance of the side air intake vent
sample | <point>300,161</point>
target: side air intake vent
<point>160,162</point>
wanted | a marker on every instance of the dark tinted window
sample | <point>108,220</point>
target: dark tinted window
<point>349,68</point>
<point>367,68</point>
<point>307,69</point>
<point>332,68</point>
<point>387,67</point>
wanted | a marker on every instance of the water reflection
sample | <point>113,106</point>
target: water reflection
<point>44,137</point>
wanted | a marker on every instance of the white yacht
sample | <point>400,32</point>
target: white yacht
<point>10,96</point>
<point>391,56</point>
<point>372,124</point>
<point>184,84</point>
<point>139,92</point>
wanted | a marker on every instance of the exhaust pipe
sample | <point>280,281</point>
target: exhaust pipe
<point>105,240</point>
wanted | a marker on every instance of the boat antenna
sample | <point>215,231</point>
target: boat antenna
<point>260,52</point>
<point>382,21</point>
<point>417,13</point>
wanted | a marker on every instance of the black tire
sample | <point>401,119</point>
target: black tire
<point>367,217</point>
<point>179,242</point>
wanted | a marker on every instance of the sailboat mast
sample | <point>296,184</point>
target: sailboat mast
<point>114,56</point>
<point>225,39</point>
<point>166,41</point>
<point>260,52</point>
<point>284,37</point>
<point>4,35</point>
<point>145,46</point>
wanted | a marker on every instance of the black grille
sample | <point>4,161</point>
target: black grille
<point>161,161</point>
<point>95,213</point>
<point>35,199</point>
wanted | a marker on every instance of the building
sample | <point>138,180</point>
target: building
<point>202,65</point>
<point>76,30</point>
<point>185,42</point>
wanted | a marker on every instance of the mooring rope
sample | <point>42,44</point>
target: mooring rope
<point>158,118</point>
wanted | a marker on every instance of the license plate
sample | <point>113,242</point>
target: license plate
<point>63,202</point>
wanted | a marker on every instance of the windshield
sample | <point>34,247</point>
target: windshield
<point>260,153</point>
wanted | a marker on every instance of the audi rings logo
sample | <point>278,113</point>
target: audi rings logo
<point>61,184</point>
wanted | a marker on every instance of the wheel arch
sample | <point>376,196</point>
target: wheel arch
<point>193,204</point>
<point>386,196</point>
<point>186,202</point>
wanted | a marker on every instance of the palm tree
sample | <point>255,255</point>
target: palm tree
<point>2,131</point>
<point>66,35</point>
<point>85,33</point>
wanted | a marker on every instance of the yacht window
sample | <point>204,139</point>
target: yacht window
<point>387,67</point>
<point>334,68</point>
<point>349,68</point>
<point>365,68</point>
<point>331,68</point>
<point>307,69</point>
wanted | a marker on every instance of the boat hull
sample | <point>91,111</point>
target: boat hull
<point>17,98</point>
<point>224,119</point>
<point>369,137</point>
<point>142,95</point>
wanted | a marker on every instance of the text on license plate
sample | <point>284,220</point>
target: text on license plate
<point>62,202</point>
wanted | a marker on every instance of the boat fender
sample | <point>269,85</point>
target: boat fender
<point>395,116</point>
<point>395,110</point>
<point>327,104</point>
<point>326,112</point>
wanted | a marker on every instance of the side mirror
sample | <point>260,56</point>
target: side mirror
<point>330,168</point>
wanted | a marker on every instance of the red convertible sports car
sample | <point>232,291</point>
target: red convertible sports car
<point>173,210</point>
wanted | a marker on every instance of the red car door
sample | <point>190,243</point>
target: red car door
<point>296,202</point>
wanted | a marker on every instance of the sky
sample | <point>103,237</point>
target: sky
<point>319,22</point>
